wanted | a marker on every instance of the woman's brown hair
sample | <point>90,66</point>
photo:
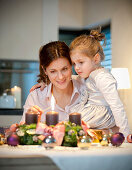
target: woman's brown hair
<point>50,52</point>
<point>89,44</point>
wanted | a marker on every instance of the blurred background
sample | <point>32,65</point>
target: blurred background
<point>25,25</point>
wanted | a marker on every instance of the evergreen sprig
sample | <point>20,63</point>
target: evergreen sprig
<point>27,134</point>
<point>71,134</point>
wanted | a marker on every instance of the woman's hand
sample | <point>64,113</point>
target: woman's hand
<point>38,110</point>
<point>40,85</point>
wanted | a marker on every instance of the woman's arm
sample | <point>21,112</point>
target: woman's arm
<point>30,103</point>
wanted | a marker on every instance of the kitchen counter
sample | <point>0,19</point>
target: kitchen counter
<point>10,116</point>
<point>11,111</point>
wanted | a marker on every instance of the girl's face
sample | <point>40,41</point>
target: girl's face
<point>59,73</point>
<point>83,65</point>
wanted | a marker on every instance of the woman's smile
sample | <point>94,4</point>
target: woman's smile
<point>61,82</point>
<point>59,73</point>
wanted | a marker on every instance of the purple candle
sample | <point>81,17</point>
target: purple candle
<point>52,118</point>
<point>75,118</point>
<point>31,117</point>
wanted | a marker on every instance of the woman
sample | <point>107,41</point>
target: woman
<point>55,71</point>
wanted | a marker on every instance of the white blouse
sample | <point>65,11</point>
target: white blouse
<point>43,100</point>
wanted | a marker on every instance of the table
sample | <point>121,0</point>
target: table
<point>94,158</point>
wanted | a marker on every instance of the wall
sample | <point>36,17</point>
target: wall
<point>71,13</point>
<point>20,32</point>
<point>25,25</point>
<point>50,24</point>
<point>119,12</point>
<point>6,121</point>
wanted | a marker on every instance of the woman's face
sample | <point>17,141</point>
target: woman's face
<point>59,73</point>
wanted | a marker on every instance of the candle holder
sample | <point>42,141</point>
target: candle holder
<point>52,118</point>
<point>99,134</point>
<point>75,118</point>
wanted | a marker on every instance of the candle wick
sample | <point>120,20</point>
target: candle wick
<point>46,109</point>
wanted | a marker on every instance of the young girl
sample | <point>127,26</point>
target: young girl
<point>104,109</point>
<point>100,105</point>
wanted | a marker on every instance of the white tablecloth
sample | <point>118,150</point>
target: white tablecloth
<point>94,158</point>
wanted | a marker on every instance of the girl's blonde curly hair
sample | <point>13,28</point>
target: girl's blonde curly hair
<point>89,44</point>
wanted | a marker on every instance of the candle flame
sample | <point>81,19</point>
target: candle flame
<point>52,102</point>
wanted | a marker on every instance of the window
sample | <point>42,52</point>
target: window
<point>18,73</point>
<point>107,63</point>
<point>67,35</point>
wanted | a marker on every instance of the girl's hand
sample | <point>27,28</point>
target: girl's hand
<point>41,85</point>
